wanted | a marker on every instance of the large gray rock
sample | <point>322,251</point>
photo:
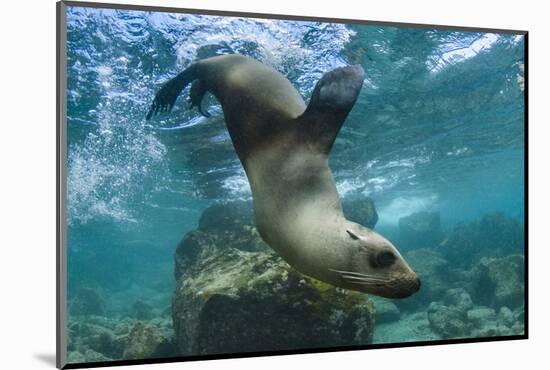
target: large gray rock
<point>360,210</point>
<point>143,342</point>
<point>495,235</point>
<point>507,275</point>
<point>197,245</point>
<point>518,328</point>
<point>449,322</point>
<point>481,316</point>
<point>386,310</point>
<point>420,230</point>
<point>501,235</point>
<point>461,244</point>
<point>227,217</point>
<point>486,323</point>
<point>88,355</point>
<point>75,357</point>
<point>506,316</point>
<point>238,301</point>
<point>477,322</point>
<point>96,335</point>
<point>233,297</point>
<point>91,338</point>
<point>500,281</point>
<point>458,298</point>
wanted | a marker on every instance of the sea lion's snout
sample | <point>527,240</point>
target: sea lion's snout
<point>378,267</point>
<point>401,287</point>
<point>414,285</point>
<point>408,287</point>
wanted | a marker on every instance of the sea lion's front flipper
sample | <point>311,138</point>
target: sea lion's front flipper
<point>166,97</point>
<point>331,101</point>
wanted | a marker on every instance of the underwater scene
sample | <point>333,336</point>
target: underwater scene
<point>166,257</point>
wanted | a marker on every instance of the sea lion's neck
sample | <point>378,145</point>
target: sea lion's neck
<point>298,210</point>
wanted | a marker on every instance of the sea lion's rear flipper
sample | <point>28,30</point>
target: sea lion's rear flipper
<point>331,101</point>
<point>166,97</point>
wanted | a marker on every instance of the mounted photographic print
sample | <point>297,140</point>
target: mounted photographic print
<point>234,184</point>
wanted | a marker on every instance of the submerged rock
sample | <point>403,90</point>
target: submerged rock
<point>507,275</point>
<point>449,322</point>
<point>458,298</point>
<point>237,301</point>
<point>490,329</point>
<point>223,217</point>
<point>75,357</point>
<point>190,248</point>
<point>89,355</point>
<point>427,262</point>
<point>198,245</point>
<point>220,225</point>
<point>386,311</point>
<point>477,322</point>
<point>113,338</point>
<point>433,270</point>
<point>506,316</point>
<point>143,341</point>
<point>481,316</point>
<point>487,323</point>
<point>500,234</point>
<point>495,235</point>
<point>360,210</point>
<point>519,313</point>
<point>106,342</point>
<point>95,335</point>
<point>500,281</point>
<point>93,356</point>
<point>237,297</point>
<point>411,326</point>
<point>518,328</point>
<point>142,310</point>
<point>420,230</point>
<point>461,245</point>
<point>87,301</point>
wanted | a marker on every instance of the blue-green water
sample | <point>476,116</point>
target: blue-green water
<point>438,127</point>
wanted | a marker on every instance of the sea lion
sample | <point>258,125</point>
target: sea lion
<point>283,146</point>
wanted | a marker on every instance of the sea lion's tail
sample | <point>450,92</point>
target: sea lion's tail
<point>166,97</point>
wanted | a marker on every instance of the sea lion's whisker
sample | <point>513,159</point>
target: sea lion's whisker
<point>348,272</point>
<point>373,279</point>
<point>362,279</point>
<point>367,282</point>
<point>366,277</point>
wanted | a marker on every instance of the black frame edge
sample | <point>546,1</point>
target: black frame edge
<point>526,182</point>
<point>291,352</point>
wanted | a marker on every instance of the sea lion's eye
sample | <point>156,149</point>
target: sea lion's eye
<point>385,259</point>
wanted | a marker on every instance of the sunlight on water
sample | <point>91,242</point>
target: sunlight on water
<point>405,206</point>
<point>458,52</point>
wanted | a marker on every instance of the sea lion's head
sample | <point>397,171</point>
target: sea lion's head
<point>376,266</point>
